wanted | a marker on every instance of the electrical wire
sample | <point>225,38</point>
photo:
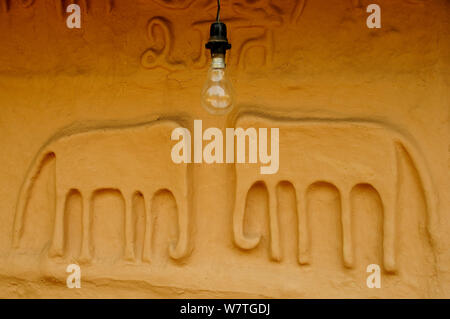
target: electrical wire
<point>218,11</point>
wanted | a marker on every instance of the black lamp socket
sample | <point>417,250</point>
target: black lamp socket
<point>218,42</point>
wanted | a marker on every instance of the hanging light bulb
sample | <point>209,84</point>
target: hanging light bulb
<point>217,93</point>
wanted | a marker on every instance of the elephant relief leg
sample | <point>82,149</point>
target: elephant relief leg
<point>129,229</point>
<point>275,249</point>
<point>85,254</point>
<point>346,218</point>
<point>240,239</point>
<point>303,233</point>
<point>181,248</point>
<point>147,246</point>
<point>57,246</point>
<point>389,231</point>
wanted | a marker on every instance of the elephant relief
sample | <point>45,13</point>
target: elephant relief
<point>344,153</point>
<point>130,159</point>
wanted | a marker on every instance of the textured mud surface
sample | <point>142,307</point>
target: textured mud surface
<point>86,176</point>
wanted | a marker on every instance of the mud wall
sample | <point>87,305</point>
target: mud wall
<point>140,227</point>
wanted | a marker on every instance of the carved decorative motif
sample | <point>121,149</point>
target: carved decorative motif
<point>255,21</point>
<point>153,58</point>
<point>91,161</point>
<point>23,3</point>
<point>341,153</point>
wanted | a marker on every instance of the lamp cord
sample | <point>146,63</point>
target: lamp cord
<point>218,11</point>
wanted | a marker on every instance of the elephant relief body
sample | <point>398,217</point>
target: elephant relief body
<point>131,159</point>
<point>342,153</point>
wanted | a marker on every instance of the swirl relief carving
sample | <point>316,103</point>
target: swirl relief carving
<point>253,25</point>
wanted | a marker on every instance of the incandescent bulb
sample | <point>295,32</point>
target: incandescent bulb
<point>217,94</point>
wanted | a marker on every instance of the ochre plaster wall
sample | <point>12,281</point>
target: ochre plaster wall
<point>292,61</point>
